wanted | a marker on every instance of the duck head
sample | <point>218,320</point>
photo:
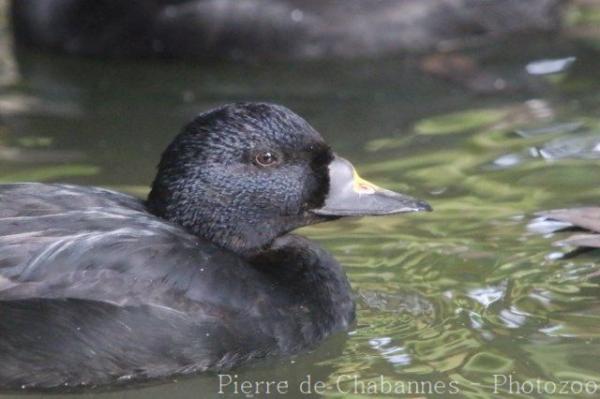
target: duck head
<point>244,174</point>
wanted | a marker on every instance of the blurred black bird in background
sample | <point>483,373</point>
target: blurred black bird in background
<point>272,29</point>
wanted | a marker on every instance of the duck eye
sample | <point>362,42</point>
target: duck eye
<point>265,158</point>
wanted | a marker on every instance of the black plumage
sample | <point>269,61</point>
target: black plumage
<point>98,287</point>
<point>272,29</point>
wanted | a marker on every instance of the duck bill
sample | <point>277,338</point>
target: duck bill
<point>350,195</point>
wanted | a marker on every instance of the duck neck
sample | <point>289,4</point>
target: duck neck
<point>313,277</point>
<point>245,233</point>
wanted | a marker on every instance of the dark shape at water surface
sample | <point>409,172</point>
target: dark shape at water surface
<point>465,71</point>
<point>293,29</point>
<point>585,219</point>
<point>98,287</point>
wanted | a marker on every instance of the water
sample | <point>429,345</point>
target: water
<point>462,297</point>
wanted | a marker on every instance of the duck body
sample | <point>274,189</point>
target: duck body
<point>101,288</point>
<point>153,299</point>
<point>272,29</point>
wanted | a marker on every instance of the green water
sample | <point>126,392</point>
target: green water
<point>459,297</point>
